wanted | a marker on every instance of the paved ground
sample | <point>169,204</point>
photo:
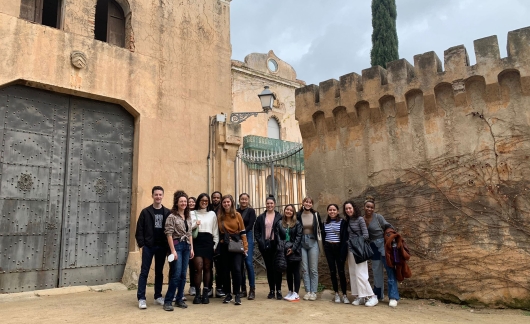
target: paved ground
<point>121,307</point>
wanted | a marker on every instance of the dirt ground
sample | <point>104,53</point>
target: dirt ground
<point>122,307</point>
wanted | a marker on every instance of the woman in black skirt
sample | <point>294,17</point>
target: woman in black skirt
<point>204,246</point>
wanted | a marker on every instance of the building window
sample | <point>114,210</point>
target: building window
<point>110,23</point>
<point>45,12</point>
<point>272,65</point>
<point>273,129</point>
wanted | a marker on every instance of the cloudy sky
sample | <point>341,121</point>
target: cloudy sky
<point>324,39</point>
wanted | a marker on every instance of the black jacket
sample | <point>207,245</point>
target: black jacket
<point>145,227</point>
<point>295,234</point>
<point>317,221</point>
<point>343,236</point>
<point>259,230</point>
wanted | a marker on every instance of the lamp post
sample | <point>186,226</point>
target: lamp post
<point>266,97</point>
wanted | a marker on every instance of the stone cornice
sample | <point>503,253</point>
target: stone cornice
<point>260,75</point>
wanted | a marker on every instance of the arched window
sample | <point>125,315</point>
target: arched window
<point>273,128</point>
<point>110,23</point>
<point>45,12</point>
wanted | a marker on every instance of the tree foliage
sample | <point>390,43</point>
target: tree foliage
<point>384,35</point>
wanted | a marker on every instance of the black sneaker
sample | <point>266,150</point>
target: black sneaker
<point>270,295</point>
<point>279,295</point>
<point>227,299</point>
<point>219,293</point>
<point>238,299</point>
<point>197,299</point>
<point>181,304</point>
<point>168,307</point>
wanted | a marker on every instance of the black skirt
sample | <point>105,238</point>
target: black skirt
<point>203,245</point>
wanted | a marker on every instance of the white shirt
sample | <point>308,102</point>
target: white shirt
<point>208,224</point>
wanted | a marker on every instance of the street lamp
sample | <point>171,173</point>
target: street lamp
<point>266,97</point>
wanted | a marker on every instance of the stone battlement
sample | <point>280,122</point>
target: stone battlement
<point>378,85</point>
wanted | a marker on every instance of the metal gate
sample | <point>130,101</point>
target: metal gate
<point>266,166</point>
<point>65,188</point>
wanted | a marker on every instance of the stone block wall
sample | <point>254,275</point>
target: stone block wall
<point>446,152</point>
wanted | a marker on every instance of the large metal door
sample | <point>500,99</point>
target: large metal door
<point>98,182</point>
<point>65,187</point>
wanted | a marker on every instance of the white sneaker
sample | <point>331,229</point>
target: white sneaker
<point>288,296</point>
<point>392,303</point>
<point>192,291</point>
<point>337,298</point>
<point>142,304</point>
<point>159,301</point>
<point>307,295</point>
<point>294,297</point>
<point>313,296</point>
<point>345,299</point>
<point>372,301</point>
<point>358,301</point>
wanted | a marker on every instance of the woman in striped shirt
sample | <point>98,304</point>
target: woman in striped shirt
<point>335,237</point>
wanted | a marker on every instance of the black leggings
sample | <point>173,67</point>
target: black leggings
<point>203,272</point>
<point>335,261</point>
<point>293,276</point>
<point>274,277</point>
<point>231,265</point>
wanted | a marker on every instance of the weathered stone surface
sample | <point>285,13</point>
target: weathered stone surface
<point>447,156</point>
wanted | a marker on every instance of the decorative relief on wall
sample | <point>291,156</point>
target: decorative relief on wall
<point>100,186</point>
<point>25,182</point>
<point>78,59</point>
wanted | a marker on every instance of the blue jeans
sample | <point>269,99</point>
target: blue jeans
<point>177,273</point>
<point>310,253</point>
<point>148,253</point>
<point>378,261</point>
<point>249,263</point>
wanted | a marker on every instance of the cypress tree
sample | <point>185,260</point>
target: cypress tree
<point>384,35</point>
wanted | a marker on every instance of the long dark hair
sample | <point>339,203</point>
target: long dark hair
<point>221,212</point>
<point>194,200</point>
<point>175,210</point>
<point>198,201</point>
<point>328,219</point>
<point>356,210</point>
<point>292,222</point>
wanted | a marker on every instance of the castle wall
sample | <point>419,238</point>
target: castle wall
<point>445,151</point>
<point>173,74</point>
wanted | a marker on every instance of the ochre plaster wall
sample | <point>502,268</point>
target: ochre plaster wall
<point>445,151</point>
<point>177,76</point>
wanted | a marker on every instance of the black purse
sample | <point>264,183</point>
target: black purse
<point>360,247</point>
<point>234,246</point>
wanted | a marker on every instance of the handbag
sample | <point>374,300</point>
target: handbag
<point>195,232</point>
<point>319,236</point>
<point>280,261</point>
<point>360,248</point>
<point>233,245</point>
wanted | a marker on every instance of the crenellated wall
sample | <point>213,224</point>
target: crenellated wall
<point>446,152</point>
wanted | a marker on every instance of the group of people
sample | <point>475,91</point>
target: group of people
<point>208,232</point>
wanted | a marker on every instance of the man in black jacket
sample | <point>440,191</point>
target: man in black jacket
<point>152,240</point>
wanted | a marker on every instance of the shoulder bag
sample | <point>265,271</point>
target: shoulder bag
<point>195,231</point>
<point>319,236</point>
<point>233,246</point>
<point>359,247</point>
